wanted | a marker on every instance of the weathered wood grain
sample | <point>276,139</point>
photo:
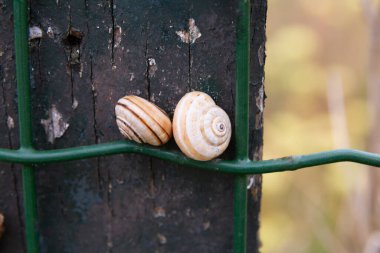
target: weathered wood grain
<point>257,102</point>
<point>10,192</point>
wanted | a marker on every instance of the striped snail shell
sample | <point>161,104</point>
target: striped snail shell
<point>201,129</point>
<point>142,121</point>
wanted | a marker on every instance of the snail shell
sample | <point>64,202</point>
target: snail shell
<point>201,129</point>
<point>142,121</point>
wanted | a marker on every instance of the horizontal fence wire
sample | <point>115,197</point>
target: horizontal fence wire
<point>289,163</point>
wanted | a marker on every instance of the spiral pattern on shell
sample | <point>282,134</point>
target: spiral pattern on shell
<point>201,129</point>
<point>142,121</point>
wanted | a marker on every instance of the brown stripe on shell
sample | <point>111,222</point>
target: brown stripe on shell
<point>149,104</point>
<point>123,131</point>
<point>161,110</point>
<point>132,130</point>
<point>150,109</point>
<point>148,113</point>
<point>137,116</point>
<point>180,130</point>
<point>169,134</point>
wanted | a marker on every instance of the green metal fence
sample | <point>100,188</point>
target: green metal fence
<point>239,167</point>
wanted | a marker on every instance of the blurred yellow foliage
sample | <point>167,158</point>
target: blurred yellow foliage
<point>309,42</point>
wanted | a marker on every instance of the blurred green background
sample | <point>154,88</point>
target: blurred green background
<point>317,67</point>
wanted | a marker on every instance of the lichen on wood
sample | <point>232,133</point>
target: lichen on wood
<point>54,126</point>
<point>191,34</point>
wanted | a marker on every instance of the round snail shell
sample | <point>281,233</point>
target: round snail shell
<point>201,129</point>
<point>142,121</point>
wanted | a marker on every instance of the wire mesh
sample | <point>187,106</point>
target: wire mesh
<point>240,167</point>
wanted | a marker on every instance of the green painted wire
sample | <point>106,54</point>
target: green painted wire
<point>20,12</point>
<point>290,163</point>
<point>241,123</point>
<point>30,209</point>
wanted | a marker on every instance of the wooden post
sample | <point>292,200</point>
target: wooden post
<point>91,54</point>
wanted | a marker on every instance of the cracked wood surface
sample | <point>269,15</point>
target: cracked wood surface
<point>127,203</point>
<point>10,176</point>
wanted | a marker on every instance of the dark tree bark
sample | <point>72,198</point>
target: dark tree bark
<point>91,54</point>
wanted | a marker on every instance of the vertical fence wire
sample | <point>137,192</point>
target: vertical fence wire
<point>30,209</point>
<point>22,72</point>
<point>241,123</point>
<point>20,13</point>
